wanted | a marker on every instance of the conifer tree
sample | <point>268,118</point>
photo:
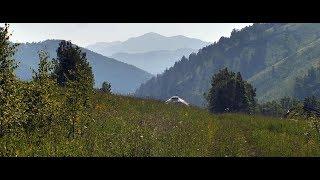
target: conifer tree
<point>74,74</point>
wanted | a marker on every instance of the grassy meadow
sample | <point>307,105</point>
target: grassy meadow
<point>128,127</point>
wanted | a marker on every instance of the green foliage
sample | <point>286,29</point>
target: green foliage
<point>74,75</point>
<point>278,108</point>
<point>41,98</point>
<point>272,108</point>
<point>106,87</point>
<point>73,71</point>
<point>58,103</point>
<point>11,106</point>
<point>130,127</point>
<point>308,85</point>
<point>311,102</point>
<point>37,118</point>
<point>230,93</point>
<point>72,65</point>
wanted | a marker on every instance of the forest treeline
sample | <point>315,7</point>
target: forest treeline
<point>230,93</point>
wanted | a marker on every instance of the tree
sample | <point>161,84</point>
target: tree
<point>74,73</point>
<point>272,108</point>
<point>11,106</point>
<point>72,65</point>
<point>230,93</point>
<point>280,107</point>
<point>41,97</point>
<point>288,103</point>
<point>106,87</point>
<point>72,70</point>
<point>311,102</point>
<point>308,85</point>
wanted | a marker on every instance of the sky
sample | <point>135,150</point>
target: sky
<point>84,34</point>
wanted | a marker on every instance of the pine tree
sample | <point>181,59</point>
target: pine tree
<point>74,74</point>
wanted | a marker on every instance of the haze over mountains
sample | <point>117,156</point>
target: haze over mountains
<point>154,62</point>
<point>269,55</point>
<point>151,52</point>
<point>123,77</point>
<point>141,57</point>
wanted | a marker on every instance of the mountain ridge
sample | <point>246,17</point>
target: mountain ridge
<point>154,62</point>
<point>124,78</point>
<point>161,51</point>
<point>148,42</point>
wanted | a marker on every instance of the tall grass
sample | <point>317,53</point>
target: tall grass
<point>128,127</point>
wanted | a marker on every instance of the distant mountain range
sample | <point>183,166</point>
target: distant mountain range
<point>151,52</point>
<point>269,55</point>
<point>124,78</point>
<point>154,62</point>
<point>146,43</point>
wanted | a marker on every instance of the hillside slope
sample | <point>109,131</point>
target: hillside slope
<point>129,127</point>
<point>269,55</point>
<point>278,80</point>
<point>124,78</point>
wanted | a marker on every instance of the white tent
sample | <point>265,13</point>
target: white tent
<point>178,100</point>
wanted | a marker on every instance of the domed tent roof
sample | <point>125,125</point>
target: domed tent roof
<point>177,99</point>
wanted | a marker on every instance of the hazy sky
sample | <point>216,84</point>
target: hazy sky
<point>84,34</point>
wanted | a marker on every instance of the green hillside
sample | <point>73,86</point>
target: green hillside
<point>126,126</point>
<point>59,113</point>
<point>268,55</point>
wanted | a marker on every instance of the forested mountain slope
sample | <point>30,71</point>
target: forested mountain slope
<point>269,55</point>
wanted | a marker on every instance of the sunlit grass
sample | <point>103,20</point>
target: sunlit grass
<point>126,126</point>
